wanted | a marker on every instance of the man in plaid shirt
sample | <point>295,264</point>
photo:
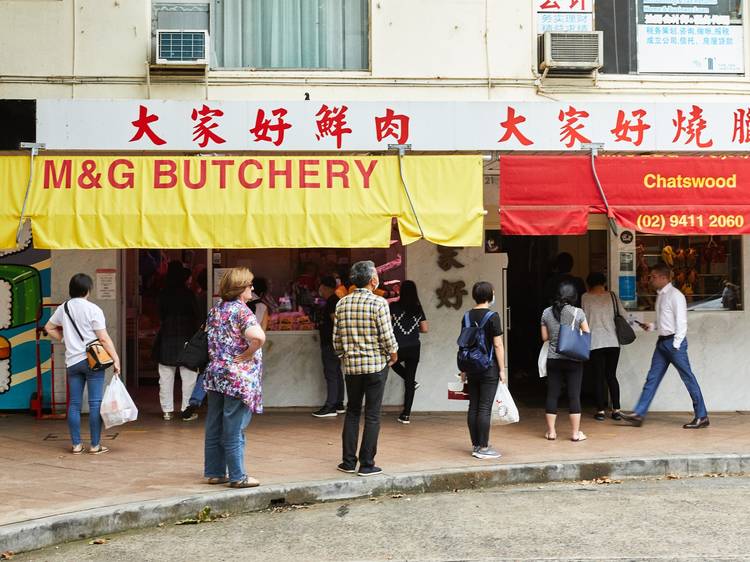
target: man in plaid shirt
<point>363,338</point>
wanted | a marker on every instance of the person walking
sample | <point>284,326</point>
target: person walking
<point>482,386</point>
<point>671,349</point>
<point>363,338</point>
<point>178,312</point>
<point>560,368</point>
<point>409,321</point>
<point>76,323</point>
<point>334,403</point>
<point>233,379</point>
<point>600,305</point>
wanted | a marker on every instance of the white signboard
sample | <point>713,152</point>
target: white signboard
<point>565,15</point>
<point>147,125</point>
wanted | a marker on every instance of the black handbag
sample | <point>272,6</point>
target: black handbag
<point>194,355</point>
<point>624,331</point>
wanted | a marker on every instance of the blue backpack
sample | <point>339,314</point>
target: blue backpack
<point>475,354</point>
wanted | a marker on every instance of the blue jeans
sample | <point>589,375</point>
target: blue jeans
<point>226,421</point>
<point>199,393</point>
<point>80,375</point>
<point>664,355</point>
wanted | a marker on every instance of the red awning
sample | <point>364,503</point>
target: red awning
<point>545,195</point>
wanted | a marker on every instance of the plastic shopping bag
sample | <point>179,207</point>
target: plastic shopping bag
<point>542,361</point>
<point>504,410</point>
<point>117,405</point>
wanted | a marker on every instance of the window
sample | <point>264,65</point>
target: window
<point>294,34</point>
<point>179,17</point>
<point>663,36</point>
<point>707,269</point>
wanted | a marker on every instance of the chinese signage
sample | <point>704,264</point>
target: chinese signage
<point>656,194</point>
<point>690,36</point>
<point>233,201</point>
<point>565,15</point>
<point>209,127</point>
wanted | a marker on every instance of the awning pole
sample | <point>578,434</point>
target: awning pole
<point>595,147</point>
<point>34,147</point>
<point>402,148</point>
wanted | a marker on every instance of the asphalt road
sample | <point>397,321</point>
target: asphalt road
<point>685,519</point>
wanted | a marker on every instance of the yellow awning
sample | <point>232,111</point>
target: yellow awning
<point>227,201</point>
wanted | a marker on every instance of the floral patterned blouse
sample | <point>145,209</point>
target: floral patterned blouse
<point>226,324</point>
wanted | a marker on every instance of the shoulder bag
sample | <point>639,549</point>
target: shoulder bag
<point>574,342</point>
<point>194,355</point>
<point>96,355</point>
<point>624,331</point>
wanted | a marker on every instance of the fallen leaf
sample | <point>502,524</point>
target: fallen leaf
<point>342,510</point>
<point>397,496</point>
<point>7,555</point>
<point>99,541</point>
<point>160,525</point>
<point>674,477</point>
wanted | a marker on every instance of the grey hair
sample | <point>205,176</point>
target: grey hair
<point>362,272</point>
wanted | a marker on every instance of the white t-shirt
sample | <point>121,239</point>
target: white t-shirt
<point>88,317</point>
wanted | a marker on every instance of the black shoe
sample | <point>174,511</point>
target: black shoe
<point>697,423</point>
<point>632,419</point>
<point>369,470</point>
<point>325,413</point>
<point>404,419</point>
<point>346,468</point>
<point>599,416</point>
<point>340,408</point>
<point>616,415</point>
<point>188,414</point>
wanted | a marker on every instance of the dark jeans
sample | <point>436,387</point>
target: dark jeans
<point>482,388</point>
<point>570,372</point>
<point>199,393</point>
<point>334,378</point>
<point>604,366</point>
<point>664,355</point>
<point>80,375</point>
<point>370,387</point>
<point>406,368</point>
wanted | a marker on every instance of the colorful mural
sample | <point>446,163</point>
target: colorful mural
<point>25,284</point>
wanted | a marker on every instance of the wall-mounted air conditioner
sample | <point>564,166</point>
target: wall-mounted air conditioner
<point>182,47</point>
<point>579,51</point>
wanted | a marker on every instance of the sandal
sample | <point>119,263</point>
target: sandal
<point>550,436</point>
<point>246,482</point>
<point>77,449</point>
<point>218,480</point>
<point>581,437</point>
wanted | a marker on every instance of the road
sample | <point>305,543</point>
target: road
<point>682,519</point>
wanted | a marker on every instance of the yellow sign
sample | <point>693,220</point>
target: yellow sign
<point>242,201</point>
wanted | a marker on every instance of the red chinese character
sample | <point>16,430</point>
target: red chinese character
<point>625,127</point>
<point>332,123</point>
<point>741,132</point>
<point>549,5</point>
<point>263,126</point>
<point>511,124</point>
<point>204,128</point>
<point>574,3</point>
<point>143,126</point>
<point>570,129</point>
<point>692,127</point>
<point>392,125</point>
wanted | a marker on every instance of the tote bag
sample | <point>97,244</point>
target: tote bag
<point>624,331</point>
<point>574,342</point>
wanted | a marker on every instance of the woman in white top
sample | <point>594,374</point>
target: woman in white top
<point>599,304</point>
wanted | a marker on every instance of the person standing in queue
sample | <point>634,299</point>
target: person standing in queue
<point>334,403</point>
<point>482,385</point>
<point>671,349</point>
<point>409,321</point>
<point>363,338</point>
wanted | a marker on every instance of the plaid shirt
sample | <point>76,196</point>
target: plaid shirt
<point>363,333</point>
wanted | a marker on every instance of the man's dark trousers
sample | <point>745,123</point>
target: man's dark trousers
<point>334,378</point>
<point>370,387</point>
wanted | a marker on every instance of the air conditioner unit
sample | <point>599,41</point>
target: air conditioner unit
<point>579,51</point>
<point>189,47</point>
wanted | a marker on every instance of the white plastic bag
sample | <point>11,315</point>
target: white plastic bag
<point>117,406</point>
<point>504,410</point>
<point>542,361</point>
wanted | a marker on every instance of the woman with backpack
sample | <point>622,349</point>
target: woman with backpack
<point>408,322</point>
<point>561,367</point>
<point>481,358</point>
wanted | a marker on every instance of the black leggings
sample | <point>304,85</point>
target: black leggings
<point>482,388</point>
<point>604,366</point>
<point>559,370</point>
<point>406,368</point>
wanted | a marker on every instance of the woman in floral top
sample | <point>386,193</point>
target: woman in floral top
<point>232,379</point>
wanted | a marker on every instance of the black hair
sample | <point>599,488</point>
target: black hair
<point>566,295</point>
<point>328,281</point>
<point>176,275</point>
<point>482,292</point>
<point>408,297</point>
<point>202,279</point>
<point>595,279</point>
<point>564,262</point>
<point>662,269</point>
<point>80,285</point>
<point>260,286</point>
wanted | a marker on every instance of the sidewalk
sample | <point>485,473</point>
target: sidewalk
<point>153,459</point>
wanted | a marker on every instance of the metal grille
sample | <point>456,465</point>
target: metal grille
<point>177,46</point>
<point>575,47</point>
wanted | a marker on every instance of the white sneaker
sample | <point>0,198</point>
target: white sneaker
<point>486,453</point>
<point>167,416</point>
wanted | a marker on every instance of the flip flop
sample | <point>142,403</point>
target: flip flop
<point>550,437</point>
<point>581,437</point>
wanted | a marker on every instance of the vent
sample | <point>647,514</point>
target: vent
<point>182,47</point>
<point>571,51</point>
